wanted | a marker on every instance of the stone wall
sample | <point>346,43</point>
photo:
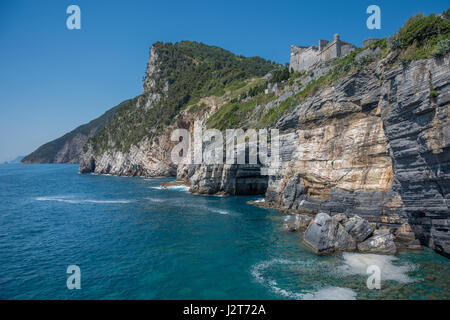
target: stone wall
<point>304,58</point>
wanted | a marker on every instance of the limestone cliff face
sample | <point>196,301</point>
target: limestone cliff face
<point>148,157</point>
<point>375,144</point>
<point>178,77</point>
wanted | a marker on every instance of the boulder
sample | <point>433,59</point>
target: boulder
<point>296,222</point>
<point>359,228</point>
<point>326,235</point>
<point>341,218</point>
<point>382,243</point>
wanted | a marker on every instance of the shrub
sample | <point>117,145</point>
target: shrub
<point>442,47</point>
<point>280,75</point>
<point>420,30</point>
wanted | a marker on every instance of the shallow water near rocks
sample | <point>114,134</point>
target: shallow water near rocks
<point>135,240</point>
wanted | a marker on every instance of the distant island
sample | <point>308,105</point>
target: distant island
<point>15,160</point>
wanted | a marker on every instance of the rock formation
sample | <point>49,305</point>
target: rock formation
<point>364,138</point>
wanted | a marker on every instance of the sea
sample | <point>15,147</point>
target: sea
<point>129,238</point>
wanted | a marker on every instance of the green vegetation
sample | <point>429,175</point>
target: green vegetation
<point>280,75</point>
<point>237,113</point>
<point>433,92</point>
<point>422,37</point>
<point>442,47</point>
<point>277,112</point>
<point>192,71</point>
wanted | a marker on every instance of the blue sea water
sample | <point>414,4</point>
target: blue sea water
<point>135,240</point>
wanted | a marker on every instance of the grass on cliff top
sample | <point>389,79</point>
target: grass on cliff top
<point>341,67</point>
<point>237,113</point>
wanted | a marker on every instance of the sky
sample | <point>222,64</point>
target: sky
<point>53,79</point>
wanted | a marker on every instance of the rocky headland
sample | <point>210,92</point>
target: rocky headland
<point>364,141</point>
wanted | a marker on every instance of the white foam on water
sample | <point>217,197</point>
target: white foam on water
<point>80,201</point>
<point>154,199</point>
<point>181,188</point>
<point>334,293</point>
<point>219,211</point>
<point>260,200</point>
<point>327,293</point>
<point>176,188</point>
<point>356,263</point>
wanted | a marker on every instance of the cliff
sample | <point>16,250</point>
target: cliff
<point>184,81</point>
<point>365,134</point>
<point>374,144</point>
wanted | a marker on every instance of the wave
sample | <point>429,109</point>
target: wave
<point>357,263</point>
<point>81,201</point>
<point>225,212</point>
<point>176,188</point>
<point>154,199</point>
<point>327,293</point>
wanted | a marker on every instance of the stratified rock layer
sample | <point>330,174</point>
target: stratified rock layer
<point>375,144</point>
<point>326,235</point>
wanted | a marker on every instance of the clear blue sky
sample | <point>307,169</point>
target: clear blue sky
<point>53,79</point>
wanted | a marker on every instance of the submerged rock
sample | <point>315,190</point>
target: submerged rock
<point>382,243</point>
<point>359,228</point>
<point>326,235</point>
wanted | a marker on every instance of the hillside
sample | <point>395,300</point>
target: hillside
<point>67,148</point>
<point>187,72</point>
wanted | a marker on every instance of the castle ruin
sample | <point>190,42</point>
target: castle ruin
<point>303,58</point>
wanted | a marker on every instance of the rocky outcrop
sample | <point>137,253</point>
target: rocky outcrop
<point>358,228</point>
<point>296,222</point>
<point>326,235</point>
<point>146,159</point>
<point>382,243</point>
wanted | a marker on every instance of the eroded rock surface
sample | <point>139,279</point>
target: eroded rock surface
<point>382,243</point>
<point>326,235</point>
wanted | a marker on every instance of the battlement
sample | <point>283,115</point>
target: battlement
<point>303,58</point>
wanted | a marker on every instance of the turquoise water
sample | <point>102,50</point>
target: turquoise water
<point>133,240</point>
